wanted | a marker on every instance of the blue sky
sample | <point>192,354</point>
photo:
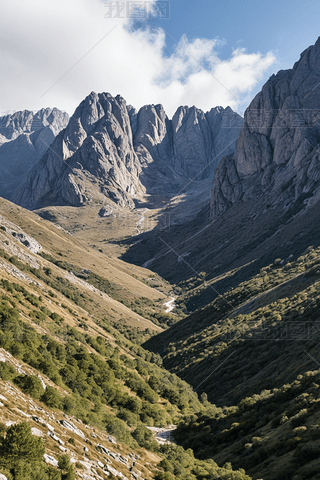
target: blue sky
<point>284,27</point>
<point>221,53</point>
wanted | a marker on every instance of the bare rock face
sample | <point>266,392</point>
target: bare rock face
<point>24,138</point>
<point>110,149</point>
<point>20,235</point>
<point>202,139</point>
<point>277,153</point>
<point>13,125</point>
<point>95,150</point>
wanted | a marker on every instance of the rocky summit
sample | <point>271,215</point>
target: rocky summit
<point>277,155</point>
<point>24,137</point>
<point>109,149</point>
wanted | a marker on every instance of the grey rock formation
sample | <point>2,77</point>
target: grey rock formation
<point>94,152</point>
<point>202,139</point>
<point>20,235</point>
<point>278,150</point>
<point>111,150</point>
<point>105,212</point>
<point>24,138</point>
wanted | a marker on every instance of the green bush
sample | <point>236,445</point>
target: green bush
<point>19,443</point>
<point>52,397</point>
<point>30,384</point>
<point>299,419</point>
<point>7,372</point>
<point>144,437</point>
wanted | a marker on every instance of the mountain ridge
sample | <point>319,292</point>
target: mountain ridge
<point>110,150</point>
<point>24,138</point>
<point>276,155</point>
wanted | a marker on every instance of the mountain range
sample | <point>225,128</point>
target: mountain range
<point>264,198</point>
<point>206,329</point>
<point>24,138</point>
<point>110,149</point>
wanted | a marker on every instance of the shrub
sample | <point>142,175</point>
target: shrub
<point>19,443</point>
<point>315,432</point>
<point>7,372</point>
<point>307,453</point>
<point>52,397</point>
<point>65,465</point>
<point>164,476</point>
<point>64,462</point>
<point>144,437</point>
<point>299,430</point>
<point>30,384</point>
<point>299,419</point>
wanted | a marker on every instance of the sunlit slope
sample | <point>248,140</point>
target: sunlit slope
<point>111,289</point>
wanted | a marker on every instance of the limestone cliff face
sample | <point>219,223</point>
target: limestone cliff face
<point>202,139</point>
<point>95,151</point>
<point>24,138</point>
<point>109,148</point>
<point>277,153</point>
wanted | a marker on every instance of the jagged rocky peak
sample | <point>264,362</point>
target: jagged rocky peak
<point>96,112</point>
<point>191,141</point>
<point>110,149</point>
<point>277,155</point>
<point>201,139</point>
<point>152,125</point>
<point>13,125</point>
<point>24,138</point>
<point>152,133</point>
<point>93,155</point>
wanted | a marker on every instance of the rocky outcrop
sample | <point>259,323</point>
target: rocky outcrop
<point>24,138</point>
<point>20,235</point>
<point>111,150</point>
<point>277,153</point>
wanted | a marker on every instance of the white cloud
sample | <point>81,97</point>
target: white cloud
<point>41,40</point>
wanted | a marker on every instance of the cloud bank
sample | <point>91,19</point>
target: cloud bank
<point>56,53</point>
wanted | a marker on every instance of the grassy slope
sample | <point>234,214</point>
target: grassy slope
<point>263,323</point>
<point>57,241</point>
<point>130,285</point>
<point>49,333</point>
<point>103,233</point>
<point>272,435</point>
<point>18,407</point>
<point>247,237</point>
<point>255,349</point>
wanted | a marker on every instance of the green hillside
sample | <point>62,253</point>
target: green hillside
<point>253,352</point>
<point>60,330</point>
<point>264,326</point>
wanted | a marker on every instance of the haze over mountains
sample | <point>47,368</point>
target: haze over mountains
<point>24,138</point>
